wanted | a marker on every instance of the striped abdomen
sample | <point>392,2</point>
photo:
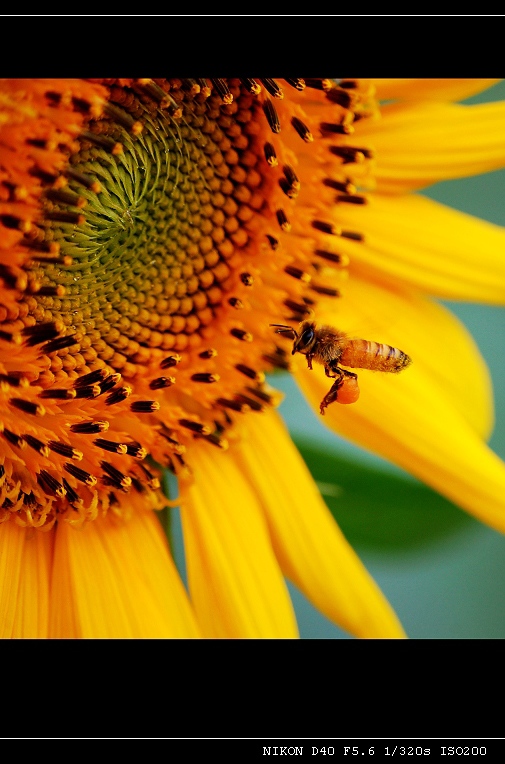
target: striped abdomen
<point>363,354</point>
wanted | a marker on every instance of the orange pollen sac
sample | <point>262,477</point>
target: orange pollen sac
<point>151,230</point>
<point>349,391</point>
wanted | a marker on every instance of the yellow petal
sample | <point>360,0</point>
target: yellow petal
<point>426,245</point>
<point>117,579</point>
<point>416,419</point>
<point>234,579</point>
<point>429,333</point>
<point>310,547</point>
<point>25,565</point>
<point>430,89</point>
<point>417,144</point>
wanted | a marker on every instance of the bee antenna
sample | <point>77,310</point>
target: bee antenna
<point>283,329</point>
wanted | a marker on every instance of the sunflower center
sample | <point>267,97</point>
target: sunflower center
<point>157,230</point>
<point>149,217</point>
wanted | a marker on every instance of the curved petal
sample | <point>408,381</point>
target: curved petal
<point>418,420</point>
<point>25,565</point>
<point>417,144</point>
<point>426,245</point>
<point>430,89</point>
<point>429,333</point>
<point>310,547</point>
<point>115,579</point>
<point>234,579</point>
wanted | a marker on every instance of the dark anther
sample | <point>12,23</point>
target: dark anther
<point>283,221</point>
<point>335,95</point>
<point>144,407</point>
<point>198,427</point>
<point>354,235</point>
<point>29,407</point>
<point>49,484</point>
<point>58,394</point>
<point>296,83</point>
<point>109,445</point>
<point>89,379</point>
<point>272,116</point>
<point>302,130</point>
<point>272,87</point>
<point>330,256</point>
<point>58,344</point>
<point>205,377</point>
<point>64,450</point>
<point>241,334</point>
<point>160,382</point>
<point>89,428</point>
<point>118,395</point>
<point>37,445</point>
<point>222,89</point>
<point>321,225</point>
<point>274,243</point>
<point>329,291</point>
<point>251,85</point>
<point>41,332</point>
<point>270,154</point>
<point>172,360</point>
<point>79,474</point>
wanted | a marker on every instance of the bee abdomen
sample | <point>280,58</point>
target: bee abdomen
<point>364,354</point>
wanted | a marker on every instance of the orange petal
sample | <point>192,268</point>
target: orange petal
<point>117,579</point>
<point>234,579</point>
<point>310,547</point>
<point>25,565</point>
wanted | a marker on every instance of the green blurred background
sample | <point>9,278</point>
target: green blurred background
<point>441,570</point>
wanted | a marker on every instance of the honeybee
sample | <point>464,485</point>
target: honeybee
<point>333,348</point>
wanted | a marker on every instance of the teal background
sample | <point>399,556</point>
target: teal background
<point>442,571</point>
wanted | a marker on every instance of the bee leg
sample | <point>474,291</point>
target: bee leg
<point>333,370</point>
<point>332,394</point>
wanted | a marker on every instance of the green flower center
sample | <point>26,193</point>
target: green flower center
<point>154,208</point>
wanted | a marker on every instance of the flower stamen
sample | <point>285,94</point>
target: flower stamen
<point>161,382</point>
<point>272,87</point>
<point>28,407</point>
<point>144,407</point>
<point>272,116</point>
<point>109,445</point>
<point>50,485</point>
<point>90,428</point>
<point>80,474</point>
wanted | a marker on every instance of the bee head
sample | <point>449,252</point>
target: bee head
<point>305,338</point>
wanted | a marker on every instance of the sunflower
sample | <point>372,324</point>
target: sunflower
<point>151,232</point>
